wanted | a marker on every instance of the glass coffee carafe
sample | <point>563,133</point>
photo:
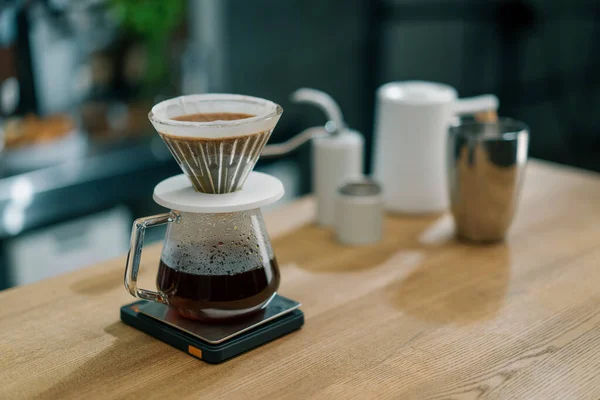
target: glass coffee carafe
<point>212,265</point>
<point>217,261</point>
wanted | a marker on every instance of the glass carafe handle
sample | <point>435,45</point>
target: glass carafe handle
<point>135,255</point>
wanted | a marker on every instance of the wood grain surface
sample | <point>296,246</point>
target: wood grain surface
<point>418,316</point>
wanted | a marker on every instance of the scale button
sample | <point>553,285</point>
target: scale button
<point>195,351</point>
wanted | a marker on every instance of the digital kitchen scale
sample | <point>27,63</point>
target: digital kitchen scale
<point>211,342</point>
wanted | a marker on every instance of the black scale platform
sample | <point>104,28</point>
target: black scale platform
<point>214,343</point>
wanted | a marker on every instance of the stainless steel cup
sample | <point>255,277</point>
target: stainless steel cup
<point>486,163</point>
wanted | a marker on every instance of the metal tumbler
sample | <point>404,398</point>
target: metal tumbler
<point>486,165</point>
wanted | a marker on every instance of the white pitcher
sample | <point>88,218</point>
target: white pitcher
<point>411,122</point>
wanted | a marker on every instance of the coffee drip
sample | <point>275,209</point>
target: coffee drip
<point>216,140</point>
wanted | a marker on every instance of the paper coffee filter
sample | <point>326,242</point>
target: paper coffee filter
<point>216,156</point>
<point>266,114</point>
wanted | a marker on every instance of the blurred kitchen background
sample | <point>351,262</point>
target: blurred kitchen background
<point>78,77</point>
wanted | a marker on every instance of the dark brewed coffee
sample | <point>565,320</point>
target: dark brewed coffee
<point>210,117</point>
<point>197,296</point>
<point>216,165</point>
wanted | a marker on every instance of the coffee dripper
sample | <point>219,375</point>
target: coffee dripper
<point>217,156</point>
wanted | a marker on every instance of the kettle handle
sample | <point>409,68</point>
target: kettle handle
<point>476,104</point>
<point>135,254</point>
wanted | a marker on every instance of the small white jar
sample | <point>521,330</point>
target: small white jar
<point>359,213</point>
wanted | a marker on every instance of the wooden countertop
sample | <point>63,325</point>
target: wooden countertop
<point>417,316</point>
